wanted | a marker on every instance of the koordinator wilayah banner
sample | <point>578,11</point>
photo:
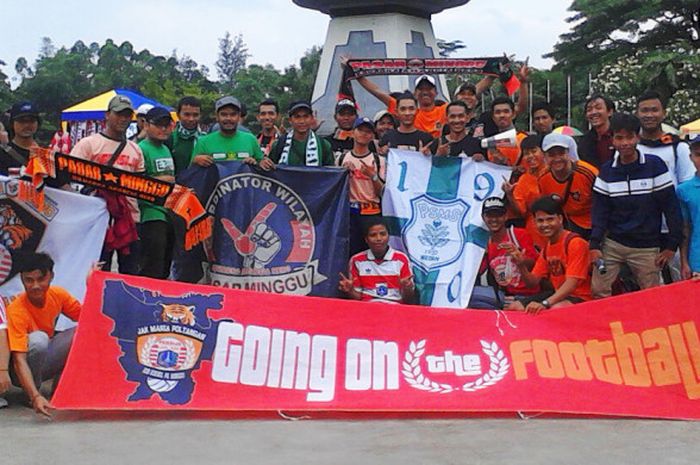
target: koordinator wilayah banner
<point>433,205</point>
<point>283,231</point>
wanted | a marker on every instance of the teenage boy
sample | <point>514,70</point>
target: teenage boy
<point>406,136</point>
<point>570,182</point>
<point>564,261</point>
<point>458,142</point>
<point>301,146</point>
<point>268,113</point>
<point>631,194</point>
<point>507,249</point>
<point>345,116</point>
<point>157,234</point>
<point>595,147</point>
<point>651,110</point>
<point>229,142</point>
<point>379,274</point>
<point>689,195</point>
<point>542,118</point>
<point>38,351</point>
<point>522,195</point>
<point>186,133</point>
<point>503,114</point>
<point>24,124</point>
<point>367,175</point>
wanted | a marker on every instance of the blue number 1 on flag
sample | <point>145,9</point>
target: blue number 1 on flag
<point>402,178</point>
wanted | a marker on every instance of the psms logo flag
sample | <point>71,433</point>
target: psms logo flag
<point>284,231</point>
<point>433,205</point>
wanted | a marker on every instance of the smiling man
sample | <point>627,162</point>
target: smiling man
<point>631,194</point>
<point>39,352</point>
<point>406,136</point>
<point>458,142</point>
<point>268,113</point>
<point>595,147</point>
<point>228,143</point>
<point>563,261</point>
<point>570,182</point>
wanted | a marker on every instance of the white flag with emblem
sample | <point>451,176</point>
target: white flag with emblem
<point>433,207</point>
<point>70,228</point>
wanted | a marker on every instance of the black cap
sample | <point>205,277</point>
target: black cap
<point>157,114</point>
<point>21,109</point>
<point>493,204</point>
<point>364,121</point>
<point>298,105</point>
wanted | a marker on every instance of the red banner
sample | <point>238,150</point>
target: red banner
<point>144,344</point>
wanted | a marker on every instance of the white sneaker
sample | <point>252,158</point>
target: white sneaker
<point>3,402</point>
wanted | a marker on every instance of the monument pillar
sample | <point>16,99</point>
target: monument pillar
<point>373,29</point>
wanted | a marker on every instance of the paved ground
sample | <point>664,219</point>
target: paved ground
<point>93,439</point>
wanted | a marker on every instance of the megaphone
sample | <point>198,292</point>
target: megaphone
<point>502,139</point>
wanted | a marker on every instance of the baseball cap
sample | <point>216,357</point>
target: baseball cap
<point>23,109</point>
<point>364,121</point>
<point>226,101</point>
<point>345,103</point>
<point>120,103</point>
<point>143,109</point>
<point>298,105</point>
<point>695,140</point>
<point>425,77</point>
<point>493,204</point>
<point>156,114</point>
<point>381,114</point>
<point>552,140</point>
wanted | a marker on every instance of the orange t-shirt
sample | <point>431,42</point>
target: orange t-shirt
<point>577,207</point>
<point>361,186</point>
<point>525,192</point>
<point>24,318</point>
<point>431,121</point>
<point>560,261</point>
<point>512,154</point>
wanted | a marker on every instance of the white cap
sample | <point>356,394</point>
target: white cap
<point>143,109</point>
<point>425,77</point>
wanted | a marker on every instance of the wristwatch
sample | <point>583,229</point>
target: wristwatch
<point>546,303</point>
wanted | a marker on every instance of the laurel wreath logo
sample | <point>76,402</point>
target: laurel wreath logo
<point>498,368</point>
<point>413,374</point>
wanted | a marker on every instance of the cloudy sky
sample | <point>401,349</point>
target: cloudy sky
<point>276,31</point>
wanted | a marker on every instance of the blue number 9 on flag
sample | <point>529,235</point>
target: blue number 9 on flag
<point>479,187</point>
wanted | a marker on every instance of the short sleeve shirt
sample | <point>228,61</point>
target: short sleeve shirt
<point>504,269</point>
<point>379,279</point>
<point>24,318</point>
<point>159,162</point>
<point>361,186</point>
<point>566,259</point>
<point>579,201</point>
<point>240,146</point>
<point>689,195</point>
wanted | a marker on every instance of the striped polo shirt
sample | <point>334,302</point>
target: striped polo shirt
<point>378,279</point>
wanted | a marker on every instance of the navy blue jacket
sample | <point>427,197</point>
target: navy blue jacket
<point>629,201</point>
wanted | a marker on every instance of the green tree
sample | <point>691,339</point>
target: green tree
<point>662,35</point>
<point>233,56</point>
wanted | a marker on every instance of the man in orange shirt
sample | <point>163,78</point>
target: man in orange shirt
<point>38,351</point>
<point>570,182</point>
<point>564,262</point>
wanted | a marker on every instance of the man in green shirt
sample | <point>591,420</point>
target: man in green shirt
<point>157,234</point>
<point>228,143</point>
<point>301,146</point>
<point>186,133</point>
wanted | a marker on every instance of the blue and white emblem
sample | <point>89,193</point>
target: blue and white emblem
<point>435,235</point>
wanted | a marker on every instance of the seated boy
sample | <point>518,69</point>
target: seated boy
<point>508,247</point>
<point>564,261</point>
<point>38,351</point>
<point>380,274</point>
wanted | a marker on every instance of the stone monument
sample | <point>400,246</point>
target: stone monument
<point>373,29</point>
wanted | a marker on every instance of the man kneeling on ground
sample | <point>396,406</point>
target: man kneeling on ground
<point>39,352</point>
<point>564,261</point>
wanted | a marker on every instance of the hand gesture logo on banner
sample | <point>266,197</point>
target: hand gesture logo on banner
<point>260,243</point>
